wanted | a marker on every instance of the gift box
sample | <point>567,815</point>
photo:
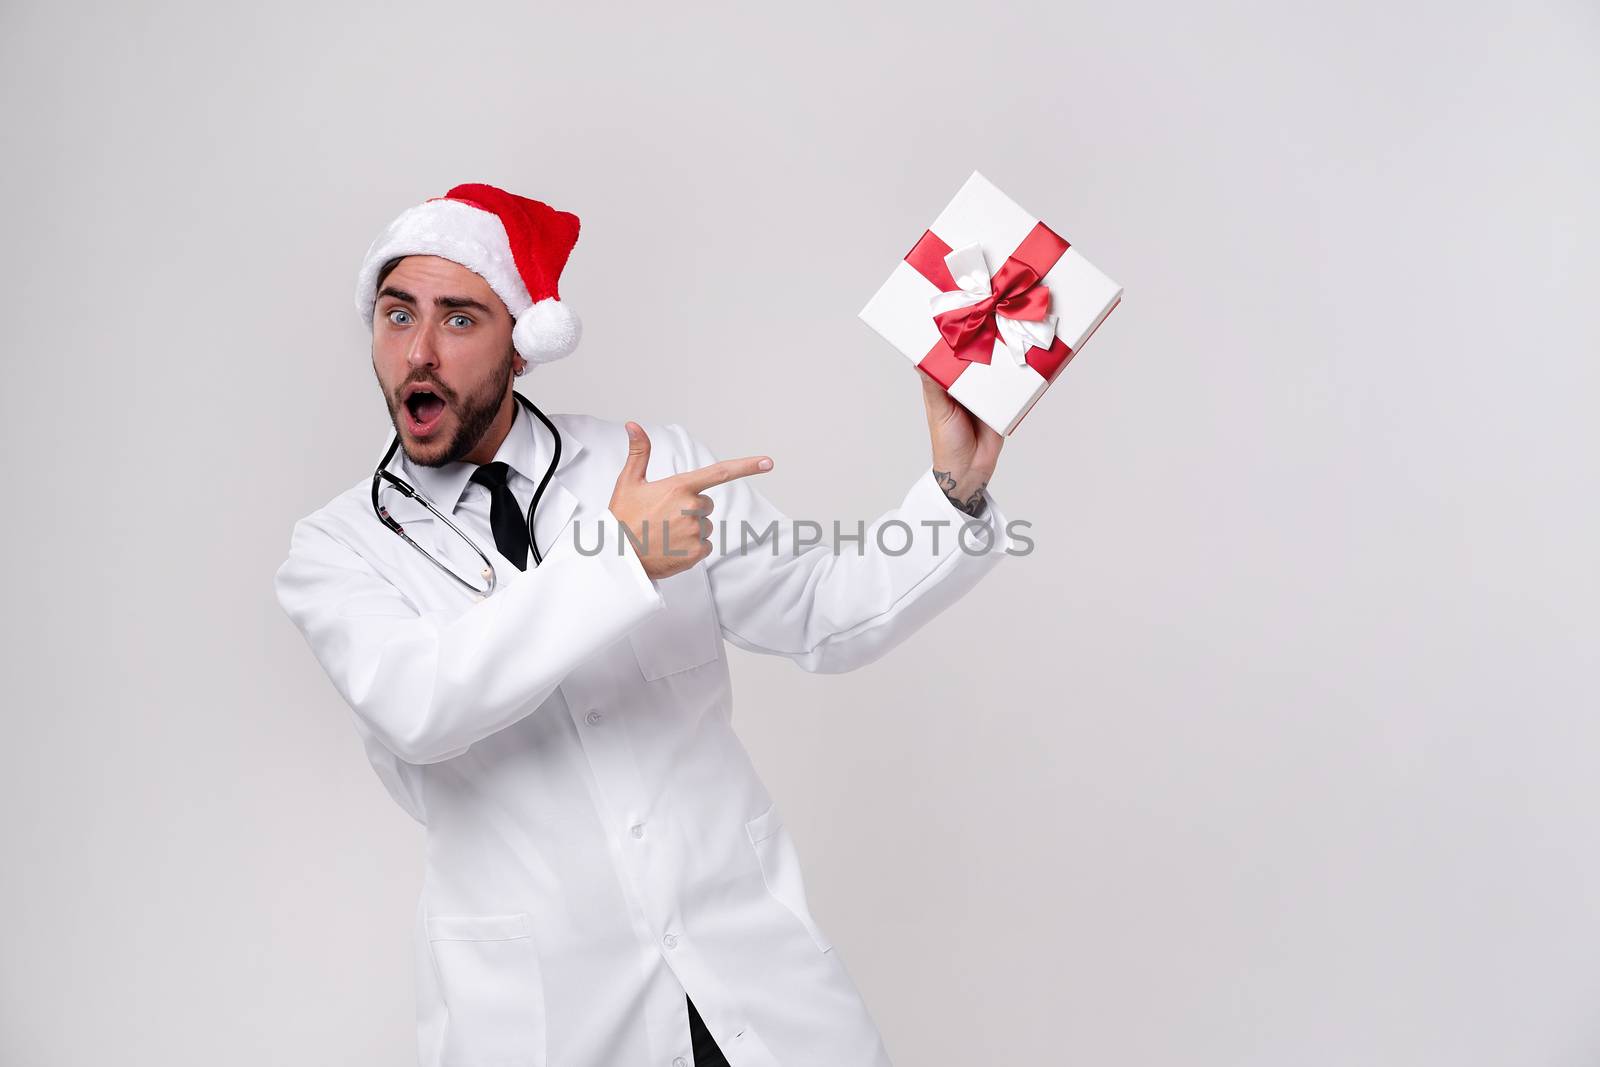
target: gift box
<point>992,303</point>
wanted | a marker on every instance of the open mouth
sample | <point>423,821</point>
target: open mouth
<point>423,410</point>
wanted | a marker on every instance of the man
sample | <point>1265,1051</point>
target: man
<point>607,882</point>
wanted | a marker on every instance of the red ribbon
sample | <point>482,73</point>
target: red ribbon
<point>1016,293</point>
<point>1038,251</point>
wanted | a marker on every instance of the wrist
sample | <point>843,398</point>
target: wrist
<point>964,490</point>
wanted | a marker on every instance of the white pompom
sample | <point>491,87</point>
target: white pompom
<point>546,331</point>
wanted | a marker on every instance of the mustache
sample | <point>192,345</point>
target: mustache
<point>433,385</point>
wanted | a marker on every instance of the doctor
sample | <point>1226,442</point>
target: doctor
<point>607,882</point>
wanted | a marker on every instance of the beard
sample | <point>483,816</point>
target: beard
<point>474,412</point>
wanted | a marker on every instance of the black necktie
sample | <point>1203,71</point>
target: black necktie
<point>506,517</point>
<point>705,1048</point>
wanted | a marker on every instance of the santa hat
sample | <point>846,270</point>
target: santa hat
<point>515,244</point>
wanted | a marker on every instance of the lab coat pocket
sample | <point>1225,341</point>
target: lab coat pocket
<point>686,634</point>
<point>780,867</point>
<point>488,970</point>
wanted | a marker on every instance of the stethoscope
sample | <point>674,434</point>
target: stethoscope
<point>416,494</point>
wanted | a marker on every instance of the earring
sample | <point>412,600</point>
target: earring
<point>522,370</point>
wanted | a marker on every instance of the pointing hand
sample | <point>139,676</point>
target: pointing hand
<point>666,519</point>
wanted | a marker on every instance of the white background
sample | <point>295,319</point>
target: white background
<point>1280,749</point>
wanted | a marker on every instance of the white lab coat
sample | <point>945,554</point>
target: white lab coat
<point>598,841</point>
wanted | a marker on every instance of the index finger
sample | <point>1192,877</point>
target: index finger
<point>723,471</point>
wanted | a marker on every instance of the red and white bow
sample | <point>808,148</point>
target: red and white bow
<point>1012,304</point>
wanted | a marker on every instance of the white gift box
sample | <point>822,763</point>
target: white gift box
<point>970,288</point>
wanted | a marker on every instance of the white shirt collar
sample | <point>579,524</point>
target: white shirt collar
<point>526,449</point>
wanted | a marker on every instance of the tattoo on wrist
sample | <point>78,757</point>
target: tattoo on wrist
<point>973,505</point>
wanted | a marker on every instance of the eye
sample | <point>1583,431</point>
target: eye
<point>465,321</point>
<point>399,311</point>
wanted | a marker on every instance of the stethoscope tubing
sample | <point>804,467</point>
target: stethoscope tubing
<point>382,474</point>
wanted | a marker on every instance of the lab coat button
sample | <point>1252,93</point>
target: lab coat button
<point>679,1061</point>
<point>637,830</point>
<point>593,717</point>
<point>671,940</point>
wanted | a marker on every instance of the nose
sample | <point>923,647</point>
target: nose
<point>423,352</point>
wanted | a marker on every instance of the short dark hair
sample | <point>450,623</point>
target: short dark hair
<point>384,273</point>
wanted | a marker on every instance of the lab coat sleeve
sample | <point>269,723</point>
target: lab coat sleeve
<point>833,611</point>
<point>429,685</point>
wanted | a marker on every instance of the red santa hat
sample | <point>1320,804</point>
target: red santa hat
<point>517,245</point>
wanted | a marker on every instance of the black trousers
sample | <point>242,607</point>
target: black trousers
<point>706,1052</point>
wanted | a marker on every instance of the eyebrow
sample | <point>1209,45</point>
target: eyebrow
<point>439,301</point>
